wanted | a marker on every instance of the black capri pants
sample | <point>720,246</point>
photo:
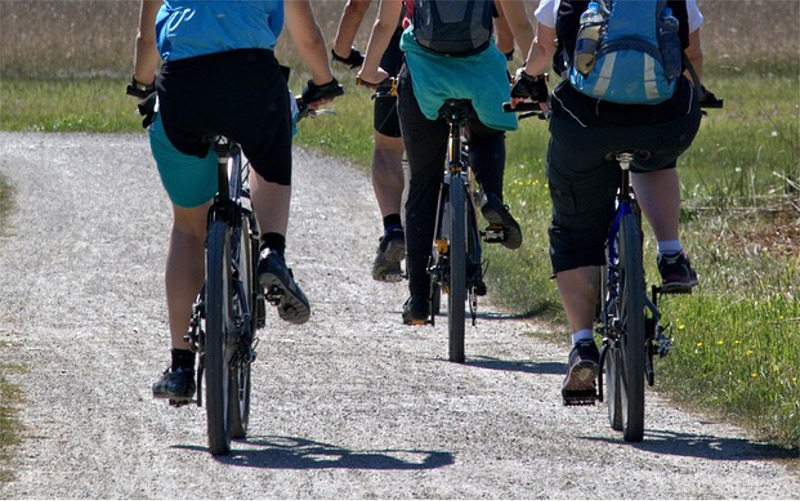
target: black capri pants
<point>583,180</point>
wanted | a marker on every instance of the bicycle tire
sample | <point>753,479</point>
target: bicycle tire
<point>436,299</point>
<point>632,340</point>
<point>457,296</point>
<point>218,314</point>
<point>240,383</point>
<point>611,364</point>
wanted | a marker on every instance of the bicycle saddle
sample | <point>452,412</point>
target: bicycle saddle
<point>456,110</point>
<point>636,154</point>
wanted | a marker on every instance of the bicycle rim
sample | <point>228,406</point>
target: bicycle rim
<point>240,371</point>
<point>456,299</point>
<point>218,314</point>
<point>632,342</point>
<point>611,364</point>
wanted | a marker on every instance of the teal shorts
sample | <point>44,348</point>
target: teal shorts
<point>190,181</point>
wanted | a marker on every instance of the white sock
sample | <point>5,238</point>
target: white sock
<point>669,247</point>
<point>582,335</point>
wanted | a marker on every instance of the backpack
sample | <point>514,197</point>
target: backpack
<point>453,27</point>
<point>634,53</point>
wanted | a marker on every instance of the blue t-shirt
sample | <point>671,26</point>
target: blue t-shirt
<point>480,78</point>
<point>188,28</point>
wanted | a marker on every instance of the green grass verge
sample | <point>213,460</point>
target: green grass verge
<point>737,339</point>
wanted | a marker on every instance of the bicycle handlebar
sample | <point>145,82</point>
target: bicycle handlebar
<point>305,111</point>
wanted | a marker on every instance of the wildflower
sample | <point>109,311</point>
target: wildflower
<point>720,342</point>
<point>753,375</point>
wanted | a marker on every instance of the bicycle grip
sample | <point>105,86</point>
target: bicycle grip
<point>522,107</point>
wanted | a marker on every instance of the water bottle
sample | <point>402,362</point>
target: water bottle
<point>592,22</point>
<point>669,42</point>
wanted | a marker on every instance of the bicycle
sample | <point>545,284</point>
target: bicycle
<point>231,305</point>
<point>627,319</point>
<point>456,266</point>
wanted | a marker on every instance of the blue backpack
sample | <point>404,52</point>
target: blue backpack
<point>453,27</point>
<point>636,49</point>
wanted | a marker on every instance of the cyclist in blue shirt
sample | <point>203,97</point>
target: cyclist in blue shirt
<point>220,76</point>
<point>425,81</point>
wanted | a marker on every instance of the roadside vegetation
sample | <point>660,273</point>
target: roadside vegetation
<point>736,348</point>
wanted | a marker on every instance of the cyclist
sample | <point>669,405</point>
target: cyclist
<point>220,76</point>
<point>387,168</point>
<point>583,181</point>
<point>424,82</point>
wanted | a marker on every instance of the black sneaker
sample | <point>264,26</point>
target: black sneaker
<point>416,310</point>
<point>579,383</point>
<point>392,250</point>
<point>280,288</point>
<point>176,384</point>
<point>496,213</point>
<point>676,272</point>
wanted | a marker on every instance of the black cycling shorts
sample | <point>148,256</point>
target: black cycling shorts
<point>241,94</point>
<point>385,118</point>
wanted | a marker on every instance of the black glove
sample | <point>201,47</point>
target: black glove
<point>353,60</point>
<point>313,92</point>
<point>509,55</point>
<point>527,86</point>
<point>147,108</point>
<point>138,89</point>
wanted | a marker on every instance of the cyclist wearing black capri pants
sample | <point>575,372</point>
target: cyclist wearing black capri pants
<point>583,181</point>
<point>387,157</point>
<point>424,82</point>
<point>220,76</point>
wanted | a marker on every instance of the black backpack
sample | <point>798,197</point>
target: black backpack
<point>453,27</point>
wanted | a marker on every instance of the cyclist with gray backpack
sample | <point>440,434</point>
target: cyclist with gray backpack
<point>624,88</point>
<point>449,54</point>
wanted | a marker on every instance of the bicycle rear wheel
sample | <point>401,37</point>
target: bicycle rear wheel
<point>611,353</point>
<point>457,296</point>
<point>632,339</point>
<point>219,291</point>
<point>245,301</point>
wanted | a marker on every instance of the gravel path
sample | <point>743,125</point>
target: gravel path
<point>350,405</point>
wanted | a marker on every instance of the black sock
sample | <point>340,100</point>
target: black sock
<point>275,241</point>
<point>182,358</point>
<point>392,222</point>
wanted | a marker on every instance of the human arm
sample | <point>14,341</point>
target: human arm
<point>308,40</point>
<point>343,49</point>
<point>502,32</point>
<point>529,81</point>
<point>146,58</point>
<point>516,17</point>
<point>695,54</point>
<point>382,30</point>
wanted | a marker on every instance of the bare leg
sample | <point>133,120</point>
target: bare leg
<point>387,173</point>
<point>659,195</point>
<point>579,289</point>
<point>185,271</point>
<point>271,203</point>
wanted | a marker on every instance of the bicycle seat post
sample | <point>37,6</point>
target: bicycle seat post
<point>625,158</point>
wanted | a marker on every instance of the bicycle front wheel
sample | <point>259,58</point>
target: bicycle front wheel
<point>219,291</point>
<point>457,296</point>
<point>632,340</point>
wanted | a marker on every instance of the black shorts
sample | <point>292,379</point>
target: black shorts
<point>241,94</point>
<point>583,182</point>
<point>385,118</point>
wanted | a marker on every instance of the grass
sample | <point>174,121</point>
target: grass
<point>737,339</point>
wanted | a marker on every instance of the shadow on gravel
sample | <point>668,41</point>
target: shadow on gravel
<point>295,453</point>
<point>706,446</point>
<point>517,365</point>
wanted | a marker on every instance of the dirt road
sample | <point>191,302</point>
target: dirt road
<point>350,405</point>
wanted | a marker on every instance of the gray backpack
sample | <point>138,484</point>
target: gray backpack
<point>453,27</point>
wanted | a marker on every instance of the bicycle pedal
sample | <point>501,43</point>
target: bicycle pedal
<point>673,290</point>
<point>182,402</point>
<point>579,398</point>
<point>274,295</point>
<point>494,234</point>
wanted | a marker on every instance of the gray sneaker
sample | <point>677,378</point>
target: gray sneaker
<point>280,288</point>
<point>392,250</point>
<point>178,385</point>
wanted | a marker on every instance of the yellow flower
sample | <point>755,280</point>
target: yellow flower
<point>720,342</point>
<point>753,375</point>
<point>700,344</point>
<point>749,352</point>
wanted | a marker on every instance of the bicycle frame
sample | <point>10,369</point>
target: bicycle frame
<point>455,264</point>
<point>230,306</point>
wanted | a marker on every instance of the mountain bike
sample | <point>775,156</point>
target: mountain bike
<point>456,265</point>
<point>231,305</point>
<point>627,319</point>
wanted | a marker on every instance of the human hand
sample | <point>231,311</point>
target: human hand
<point>529,87</point>
<point>354,60</point>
